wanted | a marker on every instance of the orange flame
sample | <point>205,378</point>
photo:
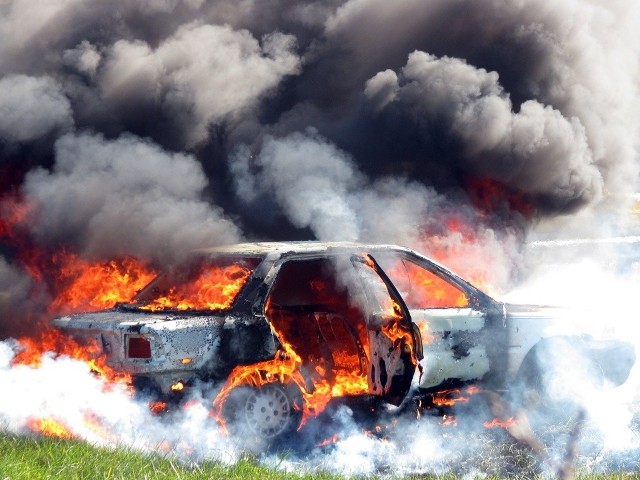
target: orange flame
<point>32,350</point>
<point>13,214</point>
<point>214,289</point>
<point>328,441</point>
<point>49,427</point>
<point>97,285</point>
<point>177,387</point>
<point>283,369</point>
<point>449,421</point>
<point>423,289</point>
<point>449,398</point>
<point>497,423</point>
<point>342,378</point>
<point>158,407</point>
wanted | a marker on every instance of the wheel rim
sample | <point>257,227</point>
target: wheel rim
<point>268,411</point>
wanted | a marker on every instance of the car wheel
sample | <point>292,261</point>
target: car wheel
<point>265,413</point>
<point>554,380</point>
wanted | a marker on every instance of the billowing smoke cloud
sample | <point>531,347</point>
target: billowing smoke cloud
<point>542,101</point>
<point>536,150</point>
<point>31,108</point>
<point>125,196</point>
<point>576,61</point>
<point>201,76</point>
<point>319,186</point>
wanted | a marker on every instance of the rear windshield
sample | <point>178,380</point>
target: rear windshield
<point>203,284</point>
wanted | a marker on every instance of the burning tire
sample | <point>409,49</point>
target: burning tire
<point>264,413</point>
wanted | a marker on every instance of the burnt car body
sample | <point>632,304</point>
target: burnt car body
<point>378,312</point>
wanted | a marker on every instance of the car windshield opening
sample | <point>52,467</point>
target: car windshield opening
<point>204,284</point>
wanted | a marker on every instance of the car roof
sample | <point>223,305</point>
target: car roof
<point>311,246</point>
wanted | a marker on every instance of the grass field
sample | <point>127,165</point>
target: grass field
<point>25,458</point>
<point>31,458</point>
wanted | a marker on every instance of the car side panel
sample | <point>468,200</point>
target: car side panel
<point>452,350</point>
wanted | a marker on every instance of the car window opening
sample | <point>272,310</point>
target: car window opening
<point>203,285</point>
<point>421,288</point>
<point>312,313</point>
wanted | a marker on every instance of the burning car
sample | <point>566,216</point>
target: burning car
<point>290,326</point>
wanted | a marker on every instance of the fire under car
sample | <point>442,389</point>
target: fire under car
<point>288,327</point>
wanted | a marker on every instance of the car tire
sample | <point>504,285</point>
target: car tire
<point>551,393</point>
<point>260,417</point>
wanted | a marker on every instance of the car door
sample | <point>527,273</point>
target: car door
<point>395,345</point>
<point>452,322</point>
<point>341,310</point>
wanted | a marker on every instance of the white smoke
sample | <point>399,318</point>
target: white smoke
<point>102,191</point>
<point>31,108</point>
<point>65,391</point>
<point>84,58</point>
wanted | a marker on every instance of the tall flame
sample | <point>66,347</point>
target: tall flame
<point>215,288</point>
<point>343,377</point>
<point>97,285</point>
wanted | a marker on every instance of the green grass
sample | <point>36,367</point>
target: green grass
<point>46,458</point>
<point>33,458</point>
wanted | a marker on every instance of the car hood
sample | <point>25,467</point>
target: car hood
<point>559,320</point>
<point>532,310</point>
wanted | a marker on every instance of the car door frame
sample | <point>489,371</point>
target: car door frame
<point>392,392</point>
<point>461,344</point>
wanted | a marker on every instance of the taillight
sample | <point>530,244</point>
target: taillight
<point>138,347</point>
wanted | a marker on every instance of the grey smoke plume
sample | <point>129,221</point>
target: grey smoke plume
<point>32,108</point>
<point>15,304</point>
<point>200,76</point>
<point>125,196</point>
<point>536,150</point>
<point>542,100</point>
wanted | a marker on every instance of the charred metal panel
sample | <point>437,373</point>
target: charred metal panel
<point>454,348</point>
<point>242,342</point>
